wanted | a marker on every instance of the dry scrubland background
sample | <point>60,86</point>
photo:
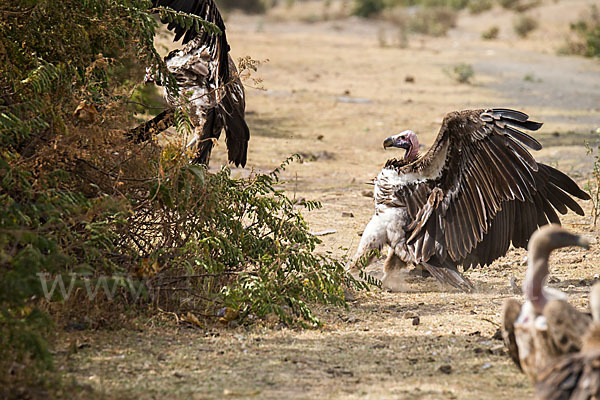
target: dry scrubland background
<point>334,88</point>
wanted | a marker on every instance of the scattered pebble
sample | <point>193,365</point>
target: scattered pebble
<point>445,369</point>
<point>497,335</point>
<point>416,321</point>
<point>347,214</point>
<point>410,314</point>
<point>367,193</point>
<point>486,366</point>
<point>409,79</point>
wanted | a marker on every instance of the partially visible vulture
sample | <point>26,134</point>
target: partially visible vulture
<point>209,84</point>
<point>546,326</point>
<point>463,202</point>
<point>576,376</point>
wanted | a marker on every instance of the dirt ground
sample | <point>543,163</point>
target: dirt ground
<point>334,90</point>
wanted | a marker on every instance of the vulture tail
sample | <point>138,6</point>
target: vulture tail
<point>237,133</point>
<point>450,276</point>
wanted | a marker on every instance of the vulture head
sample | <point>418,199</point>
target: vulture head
<point>541,244</point>
<point>404,140</point>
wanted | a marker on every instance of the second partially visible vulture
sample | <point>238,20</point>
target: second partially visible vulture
<point>209,85</point>
<point>476,191</point>
<point>546,326</point>
<point>576,376</point>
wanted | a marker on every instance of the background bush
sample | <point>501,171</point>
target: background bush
<point>77,197</point>
<point>587,35</point>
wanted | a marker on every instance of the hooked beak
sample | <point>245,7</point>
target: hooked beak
<point>583,242</point>
<point>389,142</point>
<point>399,142</point>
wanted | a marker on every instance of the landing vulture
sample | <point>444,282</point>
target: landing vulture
<point>463,202</point>
<point>208,78</point>
<point>546,326</point>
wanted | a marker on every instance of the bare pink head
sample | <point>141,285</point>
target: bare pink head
<point>404,140</point>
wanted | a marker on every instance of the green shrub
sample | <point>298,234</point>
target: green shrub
<point>479,6</point>
<point>524,25</point>
<point>491,33</point>
<point>509,3</point>
<point>433,21</point>
<point>462,73</point>
<point>587,30</point>
<point>367,8</point>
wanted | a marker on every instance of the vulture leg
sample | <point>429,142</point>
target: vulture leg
<point>374,237</point>
<point>392,276</point>
<point>510,312</point>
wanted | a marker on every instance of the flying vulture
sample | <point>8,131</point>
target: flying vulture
<point>576,376</point>
<point>546,326</point>
<point>463,202</point>
<point>208,81</point>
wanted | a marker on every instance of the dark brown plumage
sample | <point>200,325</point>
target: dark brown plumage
<point>458,203</point>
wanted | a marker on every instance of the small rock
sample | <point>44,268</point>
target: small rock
<point>416,321</point>
<point>596,276</point>
<point>178,375</point>
<point>409,79</point>
<point>445,369</point>
<point>320,137</point>
<point>473,312</point>
<point>478,350</point>
<point>486,366</point>
<point>162,357</point>
<point>410,314</point>
<point>497,335</point>
<point>347,214</point>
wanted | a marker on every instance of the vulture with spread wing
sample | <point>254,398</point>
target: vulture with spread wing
<point>208,81</point>
<point>463,202</point>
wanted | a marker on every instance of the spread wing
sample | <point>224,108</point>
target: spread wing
<point>478,189</point>
<point>222,73</point>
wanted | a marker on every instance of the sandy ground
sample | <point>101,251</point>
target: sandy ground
<point>333,93</point>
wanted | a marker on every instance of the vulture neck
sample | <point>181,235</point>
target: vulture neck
<point>591,340</point>
<point>537,271</point>
<point>397,163</point>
